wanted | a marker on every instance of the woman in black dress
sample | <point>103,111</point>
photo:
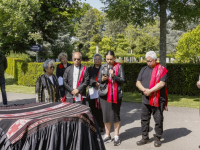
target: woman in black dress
<point>94,103</point>
<point>111,74</point>
<point>62,57</point>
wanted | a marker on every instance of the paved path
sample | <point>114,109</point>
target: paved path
<point>181,126</point>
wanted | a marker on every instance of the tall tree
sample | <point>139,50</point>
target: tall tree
<point>140,12</point>
<point>89,26</point>
<point>113,28</point>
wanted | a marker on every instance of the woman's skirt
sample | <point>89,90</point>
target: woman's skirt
<point>111,111</point>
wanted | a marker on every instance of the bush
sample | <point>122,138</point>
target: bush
<point>23,56</point>
<point>181,77</point>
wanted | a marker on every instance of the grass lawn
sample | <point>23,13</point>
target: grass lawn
<point>174,100</point>
<point>11,86</point>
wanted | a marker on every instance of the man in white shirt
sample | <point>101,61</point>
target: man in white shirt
<point>76,79</point>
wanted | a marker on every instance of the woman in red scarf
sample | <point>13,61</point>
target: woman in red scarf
<point>111,75</point>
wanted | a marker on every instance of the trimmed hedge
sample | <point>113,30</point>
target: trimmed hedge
<point>181,77</point>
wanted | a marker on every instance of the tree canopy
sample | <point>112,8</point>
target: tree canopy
<point>141,12</point>
<point>188,49</point>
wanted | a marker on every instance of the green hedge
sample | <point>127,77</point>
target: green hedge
<point>181,77</point>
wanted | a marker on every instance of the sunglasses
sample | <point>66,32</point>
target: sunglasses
<point>77,59</point>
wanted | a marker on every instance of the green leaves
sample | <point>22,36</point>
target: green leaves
<point>188,49</point>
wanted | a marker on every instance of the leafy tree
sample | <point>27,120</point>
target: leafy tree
<point>97,38</point>
<point>16,21</point>
<point>24,23</point>
<point>113,28</point>
<point>121,44</point>
<point>188,49</point>
<point>141,12</point>
<point>105,45</point>
<point>88,27</point>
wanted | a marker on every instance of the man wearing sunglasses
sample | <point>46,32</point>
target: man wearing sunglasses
<point>76,79</point>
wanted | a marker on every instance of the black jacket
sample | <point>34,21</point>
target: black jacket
<point>3,64</point>
<point>120,78</point>
<point>68,81</point>
<point>60,71</point>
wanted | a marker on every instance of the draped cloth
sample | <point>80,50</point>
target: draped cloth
<point>158,72</point>
<point>112,86</point>
<point>49,126</point>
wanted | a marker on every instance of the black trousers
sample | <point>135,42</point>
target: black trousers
<point>157,113</point>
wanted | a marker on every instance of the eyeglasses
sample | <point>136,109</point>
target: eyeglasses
<point>77,59</point>
<point>52,67</point>
<point>97,59</point>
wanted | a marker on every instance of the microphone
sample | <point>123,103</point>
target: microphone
<point>110,67</point>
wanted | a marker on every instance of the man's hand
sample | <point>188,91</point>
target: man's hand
<point>75,92</point>
<point>198,84</point>
<point>147,92</point>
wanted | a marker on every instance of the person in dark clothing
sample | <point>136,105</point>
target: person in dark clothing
<point>94,103</point>
<point>152,82</point>
<point>75,80</point>
<point>111,75</point>
<point>62,57</point>
<point>3,67</point>
<point>47,87</point>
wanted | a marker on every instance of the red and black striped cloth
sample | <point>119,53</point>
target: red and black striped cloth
<point>23,120</point>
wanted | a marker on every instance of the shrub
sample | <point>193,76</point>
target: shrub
<point>181,77</point>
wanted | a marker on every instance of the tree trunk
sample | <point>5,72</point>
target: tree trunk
<point>163,23</point>
<point>97,48</point>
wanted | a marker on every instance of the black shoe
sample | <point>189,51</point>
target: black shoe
<point>107,139</point>
<point>117,142</point>
<point>142,142</point>
<point>157,143</point>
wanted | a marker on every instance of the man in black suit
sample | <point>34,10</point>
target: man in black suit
<point>76,79</point>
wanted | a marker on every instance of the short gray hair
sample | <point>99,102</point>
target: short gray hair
<point>77,52</point>
<point>62,54</point>
<point>47,63</point>
<point>151,54</point>
<point>97,55</point>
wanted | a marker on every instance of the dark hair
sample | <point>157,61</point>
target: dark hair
<point>110,53</point>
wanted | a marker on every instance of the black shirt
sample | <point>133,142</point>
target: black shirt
<point>145,77</point>
<point>93,72</point>
<point>60,70</point>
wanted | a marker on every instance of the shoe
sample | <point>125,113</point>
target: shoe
<point>107,139</point>
<point>117,141</point>
<point>157,143</point>
<point>142,142</point>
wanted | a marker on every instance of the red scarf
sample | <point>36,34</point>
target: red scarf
<point>81,79</point>
<point>112,96</point>
<point>158,72</point>
<point>97,100</point>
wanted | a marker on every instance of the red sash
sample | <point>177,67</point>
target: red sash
<point>97,100</point>
<point>80,80</point>
<point>112,96</point>
<point>158,72</point>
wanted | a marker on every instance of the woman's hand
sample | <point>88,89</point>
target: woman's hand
<point>111,72</point>
<point>104,78</point>
<point>97,86</point>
